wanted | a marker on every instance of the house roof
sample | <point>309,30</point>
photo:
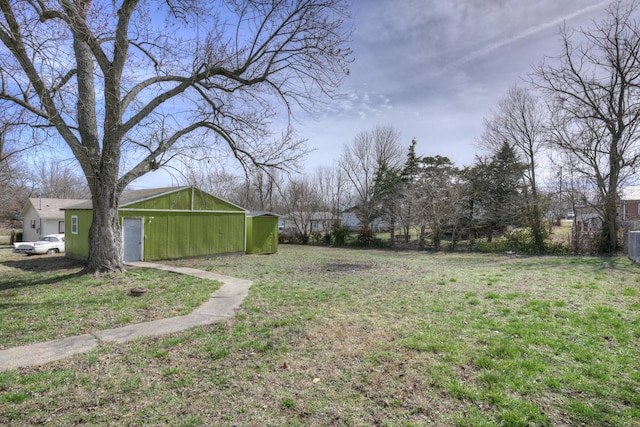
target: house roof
<point>323,216</point>
<point>261,213</point>
<point>630,193</point>
<point>50,208</point>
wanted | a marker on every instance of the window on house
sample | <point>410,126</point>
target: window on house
<point>60,227</point>
<point>33,223</point>
<point>74,224</point>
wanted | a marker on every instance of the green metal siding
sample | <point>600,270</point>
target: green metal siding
<point>262,235</point>
<point>179,200</point>
<point>77,245</point>
<point>171,235</point>
<point>172,229</point>
<point>205,202</point>
<point>185,200</point>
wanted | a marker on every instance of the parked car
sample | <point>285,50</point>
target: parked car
<point>51,244</point>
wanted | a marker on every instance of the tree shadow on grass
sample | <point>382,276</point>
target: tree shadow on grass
<point>44,269</point>
<point>42,263</point>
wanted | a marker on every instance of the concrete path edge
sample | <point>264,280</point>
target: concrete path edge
<point>222,304</point>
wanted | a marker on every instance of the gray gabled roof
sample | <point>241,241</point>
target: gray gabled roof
<point>261,213</point>
<point>51,208</point>
<point>629,193</point>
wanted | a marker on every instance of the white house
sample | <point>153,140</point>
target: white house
<point>42,216</point>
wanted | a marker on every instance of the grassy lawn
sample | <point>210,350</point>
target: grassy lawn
<point>44,298</point>
<point>361,337</point>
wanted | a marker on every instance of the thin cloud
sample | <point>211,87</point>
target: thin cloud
<point>524,34</point>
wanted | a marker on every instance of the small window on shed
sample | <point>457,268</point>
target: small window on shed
<point>74,224</point>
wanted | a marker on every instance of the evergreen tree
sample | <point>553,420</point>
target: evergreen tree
<point>385,191</point>
<point>497,191</point>
<point>407,190</point>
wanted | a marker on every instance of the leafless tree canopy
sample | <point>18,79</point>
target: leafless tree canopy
<point>360,161</point>
<point>520,122</point>
<point>595,98</point>
<point>153,79</point>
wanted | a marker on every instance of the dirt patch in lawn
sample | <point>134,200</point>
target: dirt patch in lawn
<point>339,267</point>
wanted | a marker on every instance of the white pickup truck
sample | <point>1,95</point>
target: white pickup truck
<point>51,244</point>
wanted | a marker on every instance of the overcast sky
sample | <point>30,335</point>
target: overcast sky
<point>433,69</point>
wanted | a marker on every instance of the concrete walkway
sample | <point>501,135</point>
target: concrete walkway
<point>223,304</point>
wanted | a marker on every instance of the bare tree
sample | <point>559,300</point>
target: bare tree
<point>214,179</point>
<point>520,121</point>
<point>594,91</point>
<point>574,191</point>
<point>361,161</point>
<point>15,175</point>
<point>439,204</point>
<point>55,180</point>
<point>259,190</point>
<point>300,201</point>
<point>113,77</point>
<point>332,188</point>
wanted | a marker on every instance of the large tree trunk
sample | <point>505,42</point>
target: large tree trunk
<point>609,238</point>
<point>537,226</point>
<point>105,238</point>
<point>423,237</point>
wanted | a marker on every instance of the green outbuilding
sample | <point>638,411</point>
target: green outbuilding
<point>262,233</point>
<point>165,223</point>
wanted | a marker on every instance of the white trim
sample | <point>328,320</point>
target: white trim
<point>178,210</point>
<point>74,224</point>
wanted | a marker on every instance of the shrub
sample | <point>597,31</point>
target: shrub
<point>315,238</point>
<point>520,241</point>
<point>366,238</point>
<point>326,238</point>
<point>340,234</point>
<point>556,248</point>
<point>291,238</point>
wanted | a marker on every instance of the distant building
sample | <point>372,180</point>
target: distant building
<point>42,216</point>
<point>588,219</point>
